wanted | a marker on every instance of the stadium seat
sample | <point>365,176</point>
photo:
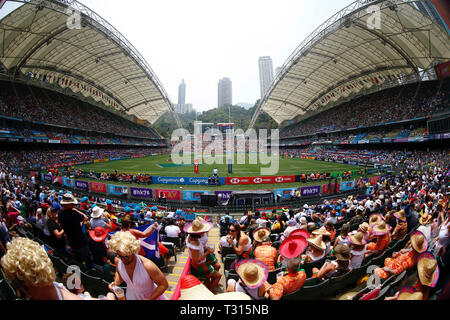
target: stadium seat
<point>227,251</point>
<point>382,294</point>
<point>308,293</point>
<point>272,278</point>
<point>228,260</point>
<point>335,284</point>
<point>7,292</point>
<point>276,244</point>
<point>175,241</point>
<point>172,249</point>
<point>308,266</point>
<point>94,285</point>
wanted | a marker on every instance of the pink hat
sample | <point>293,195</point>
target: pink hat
<point>300,232</point>
<point>293,246</point>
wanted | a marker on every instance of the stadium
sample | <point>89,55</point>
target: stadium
<point>355,208</point>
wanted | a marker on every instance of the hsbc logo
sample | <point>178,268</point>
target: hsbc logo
<point>257,180</point>
<point>279,179</point>
<point>235,181</point>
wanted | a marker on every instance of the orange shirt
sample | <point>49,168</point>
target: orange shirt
<point>287,284</point>
<point>267,255</point>
<point>381,244</point>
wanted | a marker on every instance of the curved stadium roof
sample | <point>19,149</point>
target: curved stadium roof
<point>351,52</point>
<point>92,60</point>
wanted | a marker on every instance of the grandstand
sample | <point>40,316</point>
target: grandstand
<point>364,122</point>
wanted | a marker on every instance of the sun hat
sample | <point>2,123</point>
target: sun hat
<point>374,219</point>
<point>364,227</point>
<point>348,295</point>
<point>322,231</point>
<point>342,252</point>
<point>98,234</point>
<point>400,215</point>
<point>409,293</point>
<point>97,212</point>
<point>198,226</point>
<point>317,242</point>
<point>299,232</point>
<point>68,199</point>
<point>381,229</point>
<point>357,238</point>
<point>428,269</point>
<point>305,206</point>
<point>360,208</point>
<point>293,246</point>
<point>425,218</point>
<point>260,233</point>
<point>419,241</point>
<point>193,289</point>
<point>252,272</point>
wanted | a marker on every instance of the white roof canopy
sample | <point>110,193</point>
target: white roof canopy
<point>352,51</point>
<point>94,60</point>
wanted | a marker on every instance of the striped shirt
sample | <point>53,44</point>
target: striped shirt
<point>287,284</point>
<point>267,255</point>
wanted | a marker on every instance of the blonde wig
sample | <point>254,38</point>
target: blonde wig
<point>27,261</point>
<point>124,242</point>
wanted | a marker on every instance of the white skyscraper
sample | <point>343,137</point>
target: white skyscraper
<point>225,92</point>
<point>265,74</point>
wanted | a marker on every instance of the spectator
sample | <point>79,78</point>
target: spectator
<point>27,262</point>
<point>57,235</point>
<point>381,231</point>
<point>343,237</point>
<point>252,276</point>
<point>316,250</point>
<point>336,267</point>
<point>357,249</point>
<point>243,245</point>
<point>291,282</point>
<point>109,269</point>
<point>401,227</point>
<point>70,220</point>
<point>265,252</point>
<point>97,247</point>
<point>97,220</point>
<point>426,221</point>
<point>293,247</point>
<point>148,282</point>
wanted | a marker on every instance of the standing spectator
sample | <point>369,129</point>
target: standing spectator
<point>97,247</point>
<point>57,236</point>
<point>147,281</point>
<point>97,220</point>
<point>71,221</point>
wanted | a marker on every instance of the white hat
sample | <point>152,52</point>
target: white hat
<point>305,206</point>
<point>97,212</point>
<point>361,208</point>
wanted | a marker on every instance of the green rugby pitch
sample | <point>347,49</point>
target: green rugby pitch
<point>152,166</point>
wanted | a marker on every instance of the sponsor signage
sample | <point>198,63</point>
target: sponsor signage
<point>284,193</point>
<point>310,191</point>
<point>117,190</point>
<point>223,195</point>
<point>48,178</point>
<point>260,180</point>
<point>193,195</point>
<point>141,193</point>
<point>68,182</point>
<point>101,160</point>
<point>97,187</point>
<point>170,194</point>
<point>345,186</point>
<point>183,180</point>
<point>326,190</point>
<point>83,185</point>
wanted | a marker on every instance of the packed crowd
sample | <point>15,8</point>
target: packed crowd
<point>39,105</point>
<point>416,159</point>
<point>389,105</point>
<point>32,160</point>
<point>340,234</point>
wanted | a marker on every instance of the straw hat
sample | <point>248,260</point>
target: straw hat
<point>342,252</point>
<point>321,231</point>
<point>381,229</point>
<point>192,289</point>
<point>410,295</point>
<point>317,242</point>
<point>198,226</point>
<point>293,246</point>
<point>68,199</point>
<point>252,272</point>
<point>375,218</point>
<point>400,215</point>
<point>425,218</point>
<point>300,232</point>
<point>419,242</point>
<point>428,269</point>
<point>363,227</point>
<point>260,233</point>
<point>357,238</point>
<point>348,295</point>
<point>97,212</point>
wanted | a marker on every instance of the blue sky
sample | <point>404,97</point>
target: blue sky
<point>202,41</point>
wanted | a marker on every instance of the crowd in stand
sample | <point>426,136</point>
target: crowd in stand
<point>389,105</point>
<point>39,105</point>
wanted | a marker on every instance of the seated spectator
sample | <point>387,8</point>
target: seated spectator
<point>426,225</point>
<point>316,249</point>
<point>401,227</point>
<point>405,259</point>
<point>292,248</point>
<point>171,229</point>
<point>288,283</point>
<point>198,253</point>
<point>357,249</point>
<point>252,276</point>
<point>148,282</point>
<point>109,269</point>
<point>97,247</point>
<point>329,226</point>
<point>292,225</point>
<point>242,245</point>
<point>336,267</point>
<point>383,238</point>
<point>325,238</point>
<point>27,263</point>
<point>265,253</point>
<point>97,219</point>
<point>343,237</point>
